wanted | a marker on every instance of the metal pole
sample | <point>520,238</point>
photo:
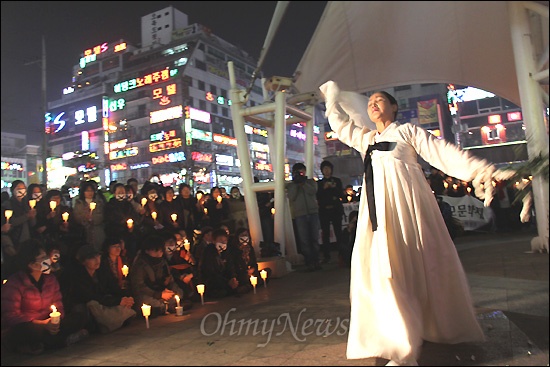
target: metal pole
<point>532,110</point>
<point>279,168</point>
<point>310,155</point>
<point>44,110</point>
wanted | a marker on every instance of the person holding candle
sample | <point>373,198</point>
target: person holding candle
<point>218,208</point>
<point>34,192</point>
<point>91,219</point>
<point>112,262</point>
<point>86,288</point>
<point>181,263</point>
<point>217,270</point>
<point>27,298</point>
<point>19,228</point>
<point>150,278</point>
<point>244,257</point>
<point>149,224</point>
<point>407,283</point>
<point>167,208</point>
<point>191,209</point>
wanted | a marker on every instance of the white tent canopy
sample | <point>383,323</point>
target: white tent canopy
<point>370,45</point>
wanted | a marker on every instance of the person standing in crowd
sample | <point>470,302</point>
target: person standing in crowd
<point>218,208</point>
<point>168,207</point>
<point>407,283</point>
<point>436,179</point>
<point>329,197</point>
<point>190,209</point>
<point>91,216</point>
<point>302,193</point>
<point>27,298</point>
<point>19,228</point>
<point>265,204</point>
<point>237,210</point>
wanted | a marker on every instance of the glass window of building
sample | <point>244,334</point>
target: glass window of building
<point>201,85</point>
<point>202,105</point>
<point>213,108</point>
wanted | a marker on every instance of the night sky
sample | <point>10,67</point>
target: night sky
<point>70,27</point>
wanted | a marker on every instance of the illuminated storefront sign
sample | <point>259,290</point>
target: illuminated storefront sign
<point>263,167</point>
<point>201,135</point>
<point>166,114</point>
<point>149,79</point>
<point>71,155</point>
<point>300,135</point>
<point>85,141</point>
<point>163,136</point>
<point>159,93</point>
<point>254,130</point>
<point>90,54</point>
<point>165,145</point>
<point>514,116</point>
<point>139,165</point>
<point>119,167</point>
<point>7,166</point>
<point>201,157</point>
<point>123,153</point>
<point>119,144</point>
<point>80,113</point>
<point>331,135</point>
<point>259,147</point>
<point>201,177</point>
<point>223,139</point>
<point>120,47</point>
<point>199,115</point>
<point>224,160</point>
<point>260,155</point>
<point>68,90</point>
<point>88,167</point>
<point>117,105</point>
<point>169,158</point>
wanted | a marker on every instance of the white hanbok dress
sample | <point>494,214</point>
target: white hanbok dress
<point>407,283</point>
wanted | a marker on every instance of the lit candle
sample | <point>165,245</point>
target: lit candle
<point>455,187</point>
<point>143,201</point>
<point>125,270</point>
<point>92,205</point>
<point>199,195</point>
<point>263,274</point>
<point>177,299</point>
<point>349,198</point>
<point>200,289</point>
<point>130,223</point>
<point>219,199</point>
<point>186,245</point>
<point>445,184</point>
<point>494,183</point>
<point>174,217</point>
<point>32,203</point>
<point>8,213</point>
<point>53,204</point>
<point>146,310</point>
<point>273,211</point>
<point>469,189</point>
<point>254,281</point>
<point>205,210</point>
<point>55,315</point>
<point>154,215</point>
<point>65,216</point>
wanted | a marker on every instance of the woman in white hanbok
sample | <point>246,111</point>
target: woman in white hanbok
<point>407,283</point>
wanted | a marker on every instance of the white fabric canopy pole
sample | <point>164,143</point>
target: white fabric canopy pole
<point>533,110</point>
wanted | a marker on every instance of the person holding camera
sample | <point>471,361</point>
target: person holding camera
<point>302,195</point>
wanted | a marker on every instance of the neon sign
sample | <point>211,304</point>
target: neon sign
<point>139,165</point>
<point>165,145</point>
<point>163,136</point>
<point>199,115</point>
<point>223,139</point>
<point>201,157</point>
<point>117,105</point>
<point>158,93</point>
<point>166,114</point>
<point>254,130</point>
<point>169,158</point>
<point>148,79</point>
<point>123,153</point>
<point>7,166</point>
<point>119,167</point>
<point>120,47</point>
<point>91,54</point>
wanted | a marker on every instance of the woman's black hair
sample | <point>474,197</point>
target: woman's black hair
<point>392,100</point>
<point>28,252</point>
<point>84,186</point>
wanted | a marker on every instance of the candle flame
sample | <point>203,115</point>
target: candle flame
<point>219,199</point>
<point>174,217</point>
<point>54,309</point>
<point>177,298</point>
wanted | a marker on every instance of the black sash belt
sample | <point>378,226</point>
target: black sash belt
<point>383,146</point>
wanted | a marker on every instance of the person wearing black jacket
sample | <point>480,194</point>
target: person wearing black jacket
<point>217,270</point>
<point>84,284</point>
<point>329,197</point>
<point>190,208</point>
